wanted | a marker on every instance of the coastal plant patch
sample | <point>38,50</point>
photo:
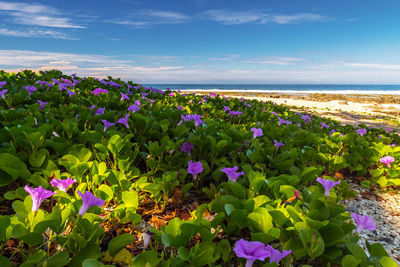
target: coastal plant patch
<point>103,172</point>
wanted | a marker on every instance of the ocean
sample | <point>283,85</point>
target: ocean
<point>372,89</point>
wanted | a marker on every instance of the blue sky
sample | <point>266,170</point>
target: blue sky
<point>206,41</point>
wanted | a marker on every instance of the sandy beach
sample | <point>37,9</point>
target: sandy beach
<point>372,110</point>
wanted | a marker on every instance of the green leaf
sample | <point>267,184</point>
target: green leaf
<point>12,166</point>
<point>261,219</point>
<point>350,261</point>
<point>92,263</point>
<point>120,242</point>
<point>58,259</point>
<point>130,199</point>
<point>105,192</point>
<point>147,259</point>
<point>37,158</point>
<point>388,262</point>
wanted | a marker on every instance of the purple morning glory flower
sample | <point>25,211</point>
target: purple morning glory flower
<point>42,104</point>
<point>89,200</point>
<point>195,168</point>
<point>133,108</point>
<point>298,125</point>
<point>38,195</point>
<point>273,112</point>
<point>388,130</point>
<point>124,121</point>
<point>213,95</point>
<point>233,113</point>
<point>71,93</point>
<point>3,92</point>
<point>186,147</point>
<point>62,184</point>
<point>107,124</point>
<point>387,160</point>
<point>277,144</point>
<point>171,94</point>
<point>363,222</point>
<point>231,173</point>
<point>331,132</point>
<point>275,255</point>
<point>193,117</point>
<point>324,125</point>
<point>30,89</point>
<point>251,250</point>
<point>144,94</point>
<point>99,91</point>
<point>137,102</point>
<point>257,132</point>
<point>361,131</point>
<point>179,107</point>
<point>99,111</point>
<point>124,96</point>
<point>327,184</point>
<point>114,84</point>
<point>226,108</point>
<point>92,107</point>
<point>2,83</point>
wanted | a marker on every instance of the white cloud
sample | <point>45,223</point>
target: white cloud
<point>35,33</point>
<point>275,60</point>
<point>374,66</point>
<point>146,18</point>
<point>257,17</point>
<point>36,15</point>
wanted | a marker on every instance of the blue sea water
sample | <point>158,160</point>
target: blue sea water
<point>288,88</point>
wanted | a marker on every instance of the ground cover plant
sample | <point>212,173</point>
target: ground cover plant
<point>106,172</point>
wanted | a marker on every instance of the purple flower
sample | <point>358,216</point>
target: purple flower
<point>99,111</point>
<point>42,104</point>
<point>257,132</point>
<point>30,89</point>
<point>233,113</point>
<point>226,108</point>
<point>133,108</point>
<point>231,173</point>
<point>38,195</point>
<point>137,102</point>
<point>331,132</point>
<point>274,113</point>
<point>195,168</point>
<point>193,117</point>
<point>327,184</point>
<point>363,222</point>
<point>298,125</point>
<point>251,250</point>
<point>361,131</point>
<point>99,91</point>
<point>277,144</point>
<point>388,130</point>
<point>92,107</point>
<point>179,107</point>
<point>3,92</point>
<point>2,84</point>
<point>62,184</point>
<point>124,121</point>
<point>124,96</point>
<point>71,93</point>
<point>387,160</point>
<point>186,147</point>
<point>107,124</point>
<point>89,200</point>
<point>144,94</point>
<point>114,84</point>
<point>275,255</point>
<point>324,125</point>
<point>212,95</point>
<point>171,94</point>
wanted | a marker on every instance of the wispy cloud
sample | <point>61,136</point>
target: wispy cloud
<point>146,18</point>
<point>275,60</point>
<point>374,66</point>
<point>257,17</point>
<point>36,15</point>
<point>224,58</point>
<point>35,33</point>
